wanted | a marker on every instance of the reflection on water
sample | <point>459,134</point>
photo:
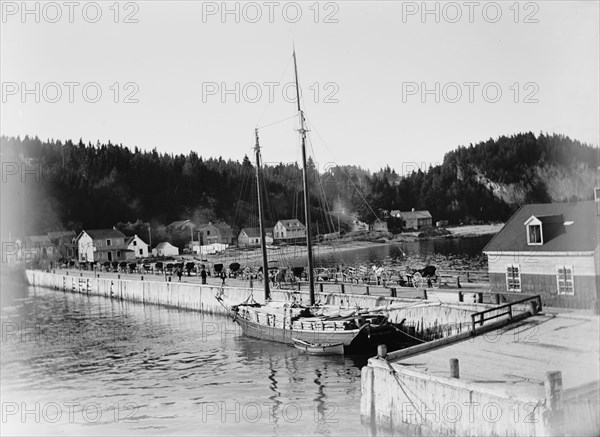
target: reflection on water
<point>446,254</point>
<point>73,364</point>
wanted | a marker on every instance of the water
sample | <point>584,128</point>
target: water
<point>446,254</point>
<point>79,365</point>
<point>91,365</point>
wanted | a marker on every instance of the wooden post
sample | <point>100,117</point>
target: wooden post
<point>454,369</point>
<point>142,278</point>
<point>321,288</point>
<point>461,296</point>
<point>497,298</point>
<point>367,287</point>
<point>381,351</point>
<point>424,294</point>
<point>298,285</point>
<point>118,276</point>
<point>342,288</point>
<point>393,292</point>
<point>458,282</point>
<point>479,297</point>
<point>553,389</point>
<point>533,307</point>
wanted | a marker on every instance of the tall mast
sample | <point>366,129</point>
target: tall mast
<point>302,130</point>
<point>263,244</point>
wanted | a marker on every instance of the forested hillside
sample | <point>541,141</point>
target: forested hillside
<point>50,185</point>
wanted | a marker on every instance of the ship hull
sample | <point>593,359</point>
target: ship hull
<point>287,336</point>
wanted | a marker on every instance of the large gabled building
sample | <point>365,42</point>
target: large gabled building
<point>549,249</point>
<point>102,245</point>
<point>289,230</point>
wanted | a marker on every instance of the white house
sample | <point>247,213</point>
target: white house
<point>102,245</point>
<point>138,246</point>
<point>289,230</point>
<point>165,249</point>
<point>250,237</point>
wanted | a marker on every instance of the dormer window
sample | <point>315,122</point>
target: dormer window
<point>533,228</point>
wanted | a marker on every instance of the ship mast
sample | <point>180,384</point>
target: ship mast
<point>263,244</point>
<point>302,130</point>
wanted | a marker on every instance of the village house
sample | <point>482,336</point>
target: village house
<point>102,245</point>
<point>250,237</point>
<point>137,246</point>
<point>413,219</point>
<point>551,250</point>
<point>36,248</point>
<point>165,249</point>
<point>215,233</point>
<point>64,241</point>
<point>289,230</point>
<point>379,226</point>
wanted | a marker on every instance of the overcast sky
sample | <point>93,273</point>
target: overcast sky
<point>170,73</point>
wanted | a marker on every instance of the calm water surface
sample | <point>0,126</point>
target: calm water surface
<point>73,364</point>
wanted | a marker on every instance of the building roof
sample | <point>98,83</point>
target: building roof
<point>411,215</point>
<point>566,227</point>
<point>291,223</point>
<point>55,235</point>
<point>129,240</point>
<point>252,232</point>
<point>99,234</point>
<point>36,240</point>
<point>163,245</point>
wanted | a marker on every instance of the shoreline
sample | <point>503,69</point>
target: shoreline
<point>345,244</point>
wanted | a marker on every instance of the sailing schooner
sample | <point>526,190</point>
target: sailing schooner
<point>291,323</point>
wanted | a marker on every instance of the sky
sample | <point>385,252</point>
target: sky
<point>383,83</point>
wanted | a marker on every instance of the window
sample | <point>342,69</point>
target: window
<point>534,234</point>
<point>207,232</point>
<point>141,252</point>
<point>513,277</point>
<point>108,241</point>
<point>118,254</point>
<point>564,280</point>
<point>134,242</point>
<point>110,256</point>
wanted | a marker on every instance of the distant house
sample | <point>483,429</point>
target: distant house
<point>379,226</point>
<point>137,246</point>
<point>165,249</point>
<point>36,248</point>
<point>289,230</point>
<point>217,232</point>
<point>102,245</point>
<point>358,226</point>
<point>64,241</point>
<point>548,249</point>
<point>413,219</point>
<point>250,237</point>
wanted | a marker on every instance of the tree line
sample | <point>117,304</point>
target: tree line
<point>98,185</point>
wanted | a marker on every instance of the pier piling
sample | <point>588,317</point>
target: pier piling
<point>454,369</point>
<point>382,351</point>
